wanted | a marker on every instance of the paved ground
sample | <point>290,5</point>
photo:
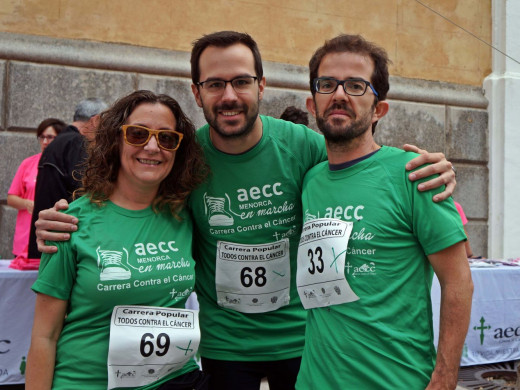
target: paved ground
<point>265,386</point>
<point>496,376</point>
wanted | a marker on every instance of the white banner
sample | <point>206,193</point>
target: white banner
<point>494,329</point>
<point>16,319</point>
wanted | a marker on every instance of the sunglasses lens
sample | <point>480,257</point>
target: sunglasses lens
<point>136,135</point>
<point>168,140</point>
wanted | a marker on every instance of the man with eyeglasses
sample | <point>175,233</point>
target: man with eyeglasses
<point>248,219</point>
<point>369,324</point>
<point>60,159</point>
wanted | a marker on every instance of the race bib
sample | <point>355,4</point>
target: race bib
<point>253,278</point>
<point>320,276</point>
<point>148,343</point>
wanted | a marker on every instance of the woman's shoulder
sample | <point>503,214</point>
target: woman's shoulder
<point>81,206</point>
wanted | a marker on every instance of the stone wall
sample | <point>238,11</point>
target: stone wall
<point>44,77</point>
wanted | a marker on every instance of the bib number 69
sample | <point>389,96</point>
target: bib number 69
<point>161,346</point>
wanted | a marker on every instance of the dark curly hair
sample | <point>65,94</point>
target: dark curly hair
<point>103,162</point>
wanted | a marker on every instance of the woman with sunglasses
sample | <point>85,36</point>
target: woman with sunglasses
<point>109,302</point>
<point>21,193</point>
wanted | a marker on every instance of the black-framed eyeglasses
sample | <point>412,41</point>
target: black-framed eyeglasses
<point>352,87</point>
<point>140,135</point>
<point>241,84</point>
<point>46,137</point>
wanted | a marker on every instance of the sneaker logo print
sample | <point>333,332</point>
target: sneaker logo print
<point>111,264</point>
<point>216,212</point>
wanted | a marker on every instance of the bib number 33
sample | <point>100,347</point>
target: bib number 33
<point>320,277</point>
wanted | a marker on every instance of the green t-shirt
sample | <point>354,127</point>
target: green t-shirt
<point>384,340</point>
<point>253,198</point>
<point>117,257</point>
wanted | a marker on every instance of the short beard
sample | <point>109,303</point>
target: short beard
<point>241,132</point>
<point>334,134</point>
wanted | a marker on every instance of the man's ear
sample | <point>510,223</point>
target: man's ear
<point>311,105</point>
<point>196,94</point>
<point>380,110</point>
<point>261,87</point>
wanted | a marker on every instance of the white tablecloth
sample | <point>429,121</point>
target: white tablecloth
<point>494,330</point>
<point>16,318</point>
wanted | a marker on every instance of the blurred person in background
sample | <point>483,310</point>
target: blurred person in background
<point>21,193</point>
<point>295,115</point>
<point>469,251</point>
<point>59,169</point>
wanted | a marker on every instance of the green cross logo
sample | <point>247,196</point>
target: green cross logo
<point>482,328</point>
<point>187,349</point>
<point>23,365</point>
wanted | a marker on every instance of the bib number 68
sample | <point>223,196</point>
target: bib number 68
<point>247,279</point>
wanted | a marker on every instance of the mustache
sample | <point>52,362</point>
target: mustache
<point>340,106</point>
<point>230,107</point>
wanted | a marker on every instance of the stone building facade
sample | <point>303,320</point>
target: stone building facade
<point>45,77</point>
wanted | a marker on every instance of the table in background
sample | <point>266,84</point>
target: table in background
<point>494,329</point>
<point>16,318</point>
<point>493,335</point>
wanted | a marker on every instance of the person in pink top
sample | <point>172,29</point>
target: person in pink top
<point>21,193</point>
<point>469,251</point>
